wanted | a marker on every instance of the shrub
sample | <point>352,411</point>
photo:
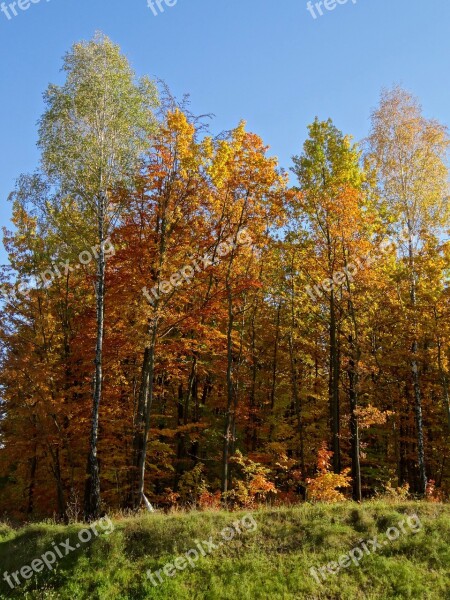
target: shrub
<point>323,488</point>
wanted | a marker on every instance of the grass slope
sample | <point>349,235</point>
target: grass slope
<point>270,562</point>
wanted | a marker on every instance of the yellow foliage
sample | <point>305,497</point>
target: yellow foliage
<point>323,487</point>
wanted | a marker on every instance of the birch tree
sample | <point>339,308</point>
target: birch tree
<point>408,152</point>
<point>92,135</point>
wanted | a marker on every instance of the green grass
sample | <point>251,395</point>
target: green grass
<point>270,562</point>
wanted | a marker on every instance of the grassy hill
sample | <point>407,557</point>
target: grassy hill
<point>378,550</point>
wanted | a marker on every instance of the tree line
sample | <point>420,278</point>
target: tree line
<point>237,334</point>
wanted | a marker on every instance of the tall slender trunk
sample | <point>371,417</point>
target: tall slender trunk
<point>334,388</point>
<point>230,392</point>
<point>180,446</point>
<point>138,428</point>
<point>407,471</point>
<point>142,421</point>
<point>354,430</point>
<point>422,483</point>
<point>92,498</point>
<point>298,410</point>
<point>229,429</point>
<point>182,438</point>
<point>142,425</point>
<point>353,378</point>
<point>274,372</point>
<point>252,433</point>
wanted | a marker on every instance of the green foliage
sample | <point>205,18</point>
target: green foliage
<point>193,484</point>
<point>97,125</point>
<point>329,158</point>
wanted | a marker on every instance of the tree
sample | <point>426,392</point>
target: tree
<point>249,327</point>
<point>92,136</point>
<point>326,171</point>
<point>164,219</point>
<point>408,153</point>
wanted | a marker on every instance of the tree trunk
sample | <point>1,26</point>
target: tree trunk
<point>354,431</point>
<point>422,484</point>
<point>33,467</point>
<point>419,422</point>
<point>92,490</point>
<point>230,391</point>
<point>182,438</point>
<point>298,413</point>
<point>334,388</point>
<point>142,426</point>
<point>274,372</point>
<point>353,378</point>
<point>252,425</point>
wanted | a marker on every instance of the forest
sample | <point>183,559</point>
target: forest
<point>186,323</point>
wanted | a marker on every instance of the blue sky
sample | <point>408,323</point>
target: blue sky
<point>266,61</point>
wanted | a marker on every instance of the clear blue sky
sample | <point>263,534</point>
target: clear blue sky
<point>266,61</point>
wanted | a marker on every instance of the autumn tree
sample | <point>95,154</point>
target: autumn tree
<point>328,172</point>
<point>409,154</point>
<point>92,135</point>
